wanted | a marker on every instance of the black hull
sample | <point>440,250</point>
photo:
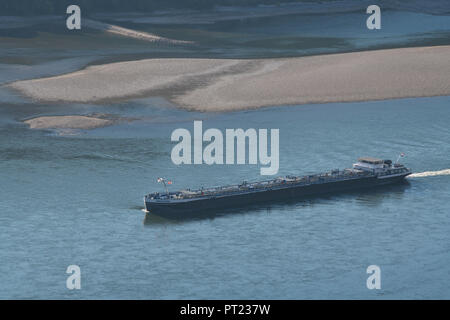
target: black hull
<point>177,209</point>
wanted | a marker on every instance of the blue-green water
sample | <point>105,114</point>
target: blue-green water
<point>77,199</point>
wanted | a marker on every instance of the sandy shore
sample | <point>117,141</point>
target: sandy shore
<point>67,122</point>
<point>221,84</point>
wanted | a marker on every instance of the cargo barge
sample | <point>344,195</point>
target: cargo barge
<point>365,173</point>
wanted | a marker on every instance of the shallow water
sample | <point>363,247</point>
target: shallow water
<point>39,47</point>
<point>77,199</point>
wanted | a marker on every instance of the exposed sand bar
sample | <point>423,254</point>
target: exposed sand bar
<point>221,84</point>
<point>118,80</point>
<point>67,122</point>
<point>129,33</point>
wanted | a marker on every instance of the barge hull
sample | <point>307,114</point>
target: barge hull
<point>292,193</point>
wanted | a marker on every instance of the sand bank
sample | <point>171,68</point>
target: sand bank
<point>129,33</point>
<point>68,122</point>
<point>118,80</point>
<point>221,84</point>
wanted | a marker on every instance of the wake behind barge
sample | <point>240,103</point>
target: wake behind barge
<point>366,173</point>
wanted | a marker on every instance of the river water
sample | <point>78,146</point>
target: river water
<point>77,198</point>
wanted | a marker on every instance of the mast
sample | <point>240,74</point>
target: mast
<point>163,180</point>
<point>401,155</point>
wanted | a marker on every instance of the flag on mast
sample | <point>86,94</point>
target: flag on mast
<point>401,155</point>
